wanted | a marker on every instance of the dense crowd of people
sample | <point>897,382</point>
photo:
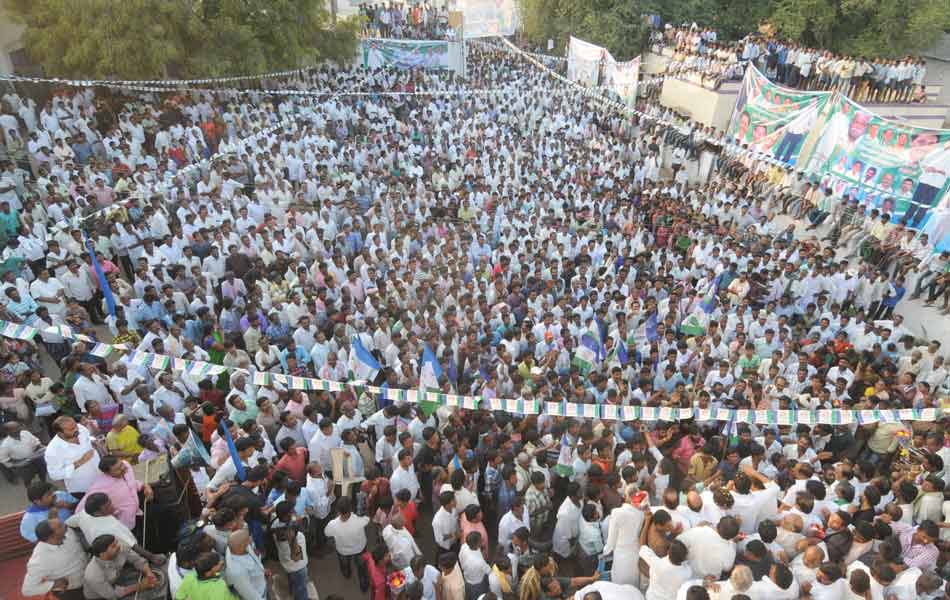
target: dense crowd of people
<point>699,53</point>
<point>472,243</point>
<point>709,68</point>
<point>399,20</point>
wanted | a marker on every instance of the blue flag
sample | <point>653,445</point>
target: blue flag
<point>103,284</point>
<point>430,370</point>
<point>232,450</point>
<point>587,354</point>
<point>709,300</point>
<point>363,365</point>
<point>651,327</point>
<point>255,526</point>
<point>622,355</point>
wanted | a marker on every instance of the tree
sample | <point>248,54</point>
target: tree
<point>615,24</point>
<point>890,28</point>
<point>156,39</point>
<point>864,27</point>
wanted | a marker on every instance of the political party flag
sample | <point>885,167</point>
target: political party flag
<point>257,532</point>
<point>622,355</point>
<point>694,324</point>
<point>587,353</point>
<point>17,331</point>
<point>651,327</point>
<point>363,365</point>
<point>232,450</point>
<point>100,275</point>
<point>565,464</point>
<point>709,300</point>
<point>429,373</point>
<point>430,370</point>
<point>191,452</point>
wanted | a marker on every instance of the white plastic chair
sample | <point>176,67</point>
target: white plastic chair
<point>342,468</point>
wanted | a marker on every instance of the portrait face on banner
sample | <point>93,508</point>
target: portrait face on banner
<point>774,120</point>
<point>893,166</point>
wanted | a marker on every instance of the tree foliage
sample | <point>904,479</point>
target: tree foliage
<point>154,39</point>
<point>615,24</point>
<point>863,27</point>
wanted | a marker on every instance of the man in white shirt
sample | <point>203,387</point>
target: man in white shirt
<point>829,583</point>
<point>22,453</point>
<point>57,564</point>
<point>350,419</point>
<point>91,386</point>
<point>711,551</point>
<point>445,525</point>
<point>70,456</point>
<point>228,470</point>
<point>402,547</point>
<point>305,336</point>
<point>420,570</point>
<point>512,521</point>
<point>169,393</point>
<point>404,476</point>
<point>667,574</point>
<point>323,441</point>
<point>79,286</point>
<point>49,292</point>
<point>779,585</point>
<point>475,569</point>
<point>349,535</point>
<point>567,525</point>
<point>243,568</point>
<point>123,387</point>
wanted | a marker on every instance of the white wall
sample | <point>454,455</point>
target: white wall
<point>10,39</point>
<point>706,106</point>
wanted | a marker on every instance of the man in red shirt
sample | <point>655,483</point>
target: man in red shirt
<point>294,461</point>
<point>404,504</point>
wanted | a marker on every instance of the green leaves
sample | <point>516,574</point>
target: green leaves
<point>614,24</point>
<point>889,28</point>
<point>155,39</point>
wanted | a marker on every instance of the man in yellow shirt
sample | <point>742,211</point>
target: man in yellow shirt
<point>123,439</point>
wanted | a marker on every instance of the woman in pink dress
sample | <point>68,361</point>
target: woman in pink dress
<point>376,563</point>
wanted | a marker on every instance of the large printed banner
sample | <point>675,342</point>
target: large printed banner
<point>488,18</point>
<point>890,165</point>
<point>772,119</point>
<point>584,61</point>
<point>622,78</point>
<point>405,54</point>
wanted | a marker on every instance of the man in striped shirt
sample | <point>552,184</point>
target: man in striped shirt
<point>919,544</point>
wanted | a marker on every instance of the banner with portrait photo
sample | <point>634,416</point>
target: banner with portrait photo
<point>488,18</point>
<point>622,78</point>
<point>773,119</point>
<point>405,54</point>
<point>584,61</point>
<point>889,165</point>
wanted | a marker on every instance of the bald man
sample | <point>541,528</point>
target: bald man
<point>402,547</point>
<point>805,565</point>
<point>244,570</point>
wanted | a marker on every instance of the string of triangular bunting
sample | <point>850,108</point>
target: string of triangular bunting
<point>522,407</point>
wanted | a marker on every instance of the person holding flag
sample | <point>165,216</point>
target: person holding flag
<point>430,374</point>
<point>363,365</point>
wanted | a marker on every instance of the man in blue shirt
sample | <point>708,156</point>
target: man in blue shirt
<point>151,309</point>
<point>9,219</point>
<point>44,501</point>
